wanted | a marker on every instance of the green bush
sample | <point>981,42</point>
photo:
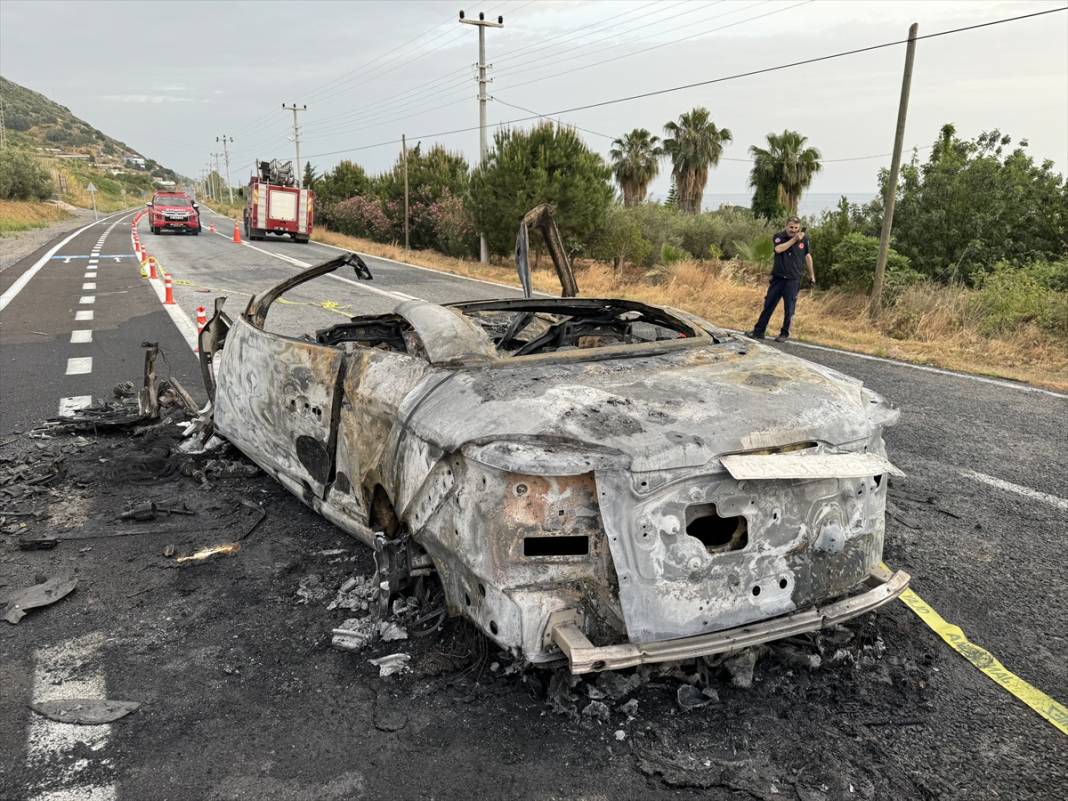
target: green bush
<point>620,239</point>
<point>854,261</point>
<point>545,164</point>
<point>669,254</point>
<point>711,234</point>
<point>22,178</point>
<point>756,251</point>
<point>1011,296</point>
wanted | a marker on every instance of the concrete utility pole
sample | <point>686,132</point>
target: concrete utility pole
<point>226,153</point>
<point>3,141</point>
<point>296,141</point>
<point>875,307</point>
<point>482,24</point>
<point>404,161</point>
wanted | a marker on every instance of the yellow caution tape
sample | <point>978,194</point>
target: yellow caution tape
<point>1053,711</point>
<point>328,305</point>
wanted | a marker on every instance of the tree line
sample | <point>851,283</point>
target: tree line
<point>973,207</point>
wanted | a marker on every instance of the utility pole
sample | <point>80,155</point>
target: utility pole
<point>296,141</point>
<point>226,153</point>
<point>404,161</point>
<point>3,141</point>
<point>482,24</point>
<point>876,305</point>
<point>212,172</point>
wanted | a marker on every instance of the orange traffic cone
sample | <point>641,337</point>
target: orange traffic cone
<point>237,232</point>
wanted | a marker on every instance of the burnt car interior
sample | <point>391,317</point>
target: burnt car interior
<point>528,326</point>
<point>516,327</point>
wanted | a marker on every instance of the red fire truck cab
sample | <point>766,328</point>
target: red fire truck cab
<point>275,205</point>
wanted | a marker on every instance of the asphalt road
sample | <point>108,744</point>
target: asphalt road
<point>75,328</point>
<point>244,699</point>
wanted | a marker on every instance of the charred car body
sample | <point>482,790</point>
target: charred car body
<point>608,480</point>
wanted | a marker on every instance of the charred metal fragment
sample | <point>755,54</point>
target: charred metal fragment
<point>541,218</point>
<point>256,313</point>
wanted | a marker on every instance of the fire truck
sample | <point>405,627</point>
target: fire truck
<point>274,204</point>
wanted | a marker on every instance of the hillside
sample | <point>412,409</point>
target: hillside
<point>69,153</point>
<point>33,121</point>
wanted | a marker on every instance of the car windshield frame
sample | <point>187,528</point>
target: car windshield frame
<point>173,200</point>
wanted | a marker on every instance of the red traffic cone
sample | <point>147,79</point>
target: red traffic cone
<point>168,289</point>
<point>237,233</point>
<point>202,320</point>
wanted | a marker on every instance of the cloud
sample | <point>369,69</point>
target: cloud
<point>146,99</point>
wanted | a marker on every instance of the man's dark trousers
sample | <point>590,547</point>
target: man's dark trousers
<point>786,289</point>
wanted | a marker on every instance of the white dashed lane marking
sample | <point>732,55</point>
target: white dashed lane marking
<point>69,755</point>
<point>87,300</point>
<point>83,314</point>
<point>74,403</point>
<point>1027,492</point>
<point>81,336</point>
<point>79,365</point>
<point>88,285</point>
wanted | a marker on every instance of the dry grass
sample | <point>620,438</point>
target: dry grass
<point>20,215</point>
<point>927,324</point>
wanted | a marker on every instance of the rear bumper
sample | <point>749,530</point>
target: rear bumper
<point>585,657</point>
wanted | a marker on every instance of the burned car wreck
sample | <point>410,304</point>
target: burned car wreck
<point>602,480</point>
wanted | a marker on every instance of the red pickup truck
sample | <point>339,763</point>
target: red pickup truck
<point>173,211</point>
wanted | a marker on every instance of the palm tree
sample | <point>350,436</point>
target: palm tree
<point>695,145</point>
<point>635,162</point>
<point>781,172</point>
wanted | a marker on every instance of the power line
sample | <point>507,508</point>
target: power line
<point>563,41</point>
<point>546,117</point>
<point>644,32</point>
<point>803,62</point>
<point>663,44</point>
<point>436,92</point>
<point>416,94</point>
<point>379,58</point>
<point>723,158</point>
<point>711,81</point>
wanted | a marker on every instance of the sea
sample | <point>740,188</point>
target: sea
<point>812,203</point>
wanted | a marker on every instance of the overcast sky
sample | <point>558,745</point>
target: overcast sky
<point>167,78</point>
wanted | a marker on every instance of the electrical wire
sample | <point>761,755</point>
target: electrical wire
<point>581,67</point>
<point>412,102</point>
<point>643,30</point>
<point>711,81</point>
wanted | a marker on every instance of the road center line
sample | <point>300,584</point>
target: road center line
<point>1027,492</point>
<point>88,285</point>
<point>305,265</point>
<point>81,336</point>
<point>79,365</point>
<point>86,300</point>
<point>83,315</point>
<point>60,672</point>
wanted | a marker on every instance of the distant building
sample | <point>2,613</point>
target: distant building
<point>136,161</point>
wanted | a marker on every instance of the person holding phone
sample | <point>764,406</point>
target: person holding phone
<point>792,259</point>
